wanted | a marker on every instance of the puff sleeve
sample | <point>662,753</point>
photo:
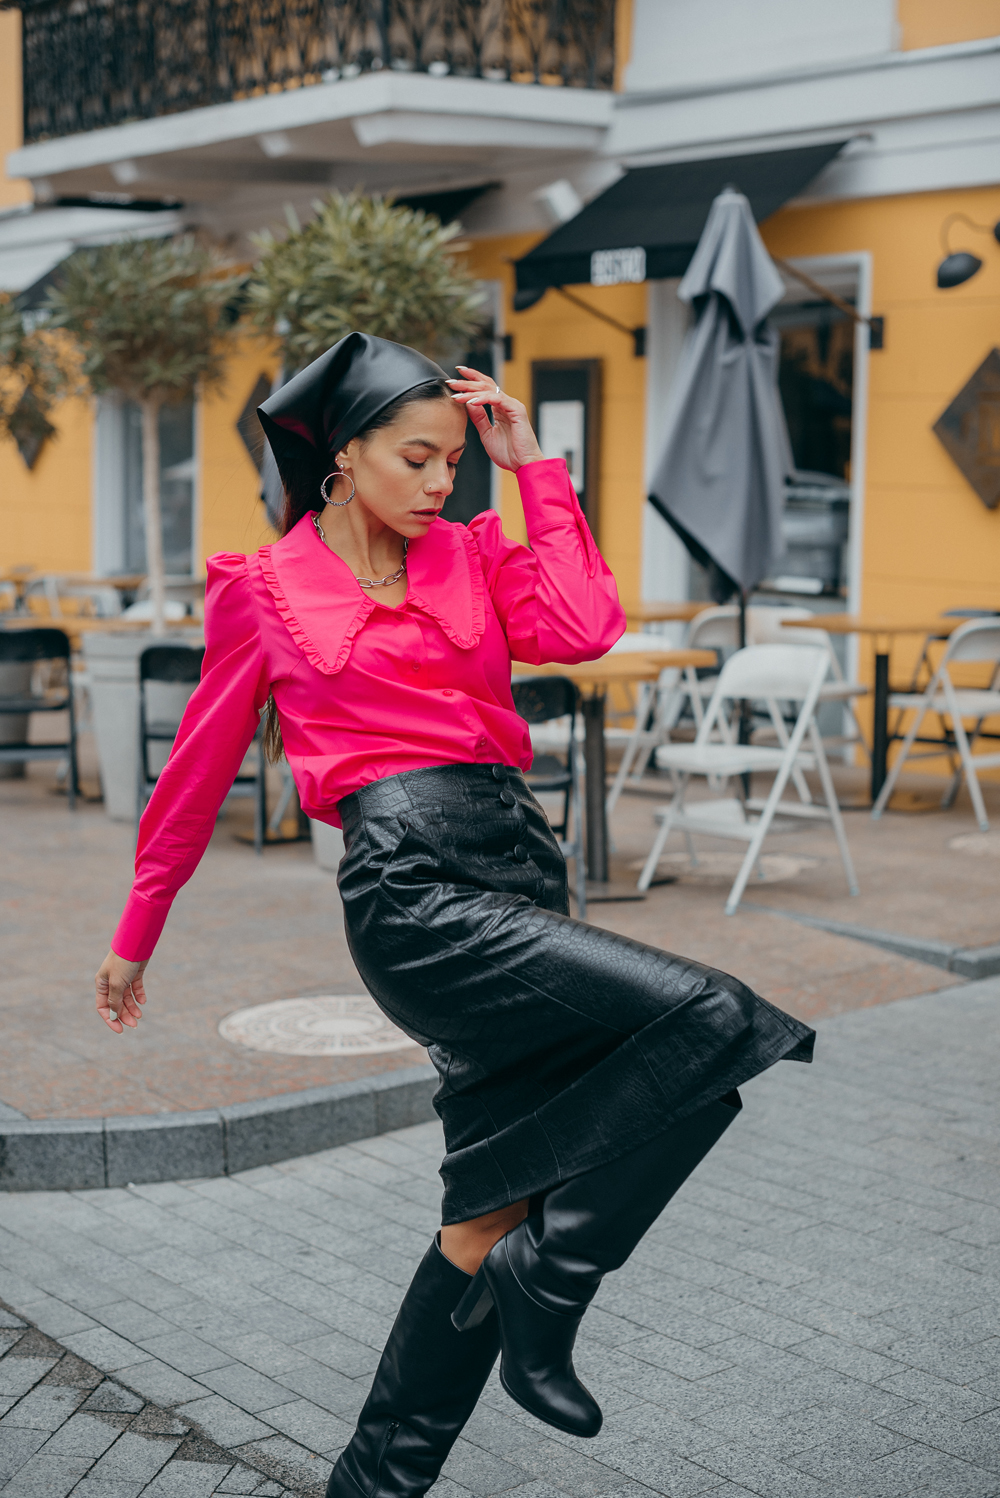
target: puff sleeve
<point>215,733</point>
<point>557,601</point>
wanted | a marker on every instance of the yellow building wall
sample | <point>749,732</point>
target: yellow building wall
<point>232,517</point>
<point>45,520</point>
<point>935,23</point>
<point>623,41</point>
<point>555,329</point>
<point>12,190</point>
<point>929,542</point>
<point>46,514</point>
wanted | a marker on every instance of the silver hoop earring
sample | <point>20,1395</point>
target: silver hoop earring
<point>338,504</point>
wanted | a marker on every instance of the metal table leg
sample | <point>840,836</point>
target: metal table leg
<point>599,888</point>
<point>594,759</point>
<point>880,727</point>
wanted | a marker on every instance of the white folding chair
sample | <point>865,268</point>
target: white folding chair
<point>662,703</point>
<point>635,642</point>
<point>647,729</point>
<point>975,642</point>
<point>716,628</point>
<point>783,673</point>
<point>765,626</point>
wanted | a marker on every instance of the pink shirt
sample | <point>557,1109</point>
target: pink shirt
<point>363,690</point>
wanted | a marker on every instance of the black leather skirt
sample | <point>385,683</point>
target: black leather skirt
<point>560,1046</point>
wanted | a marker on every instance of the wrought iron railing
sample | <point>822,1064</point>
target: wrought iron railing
<point>92,63</point>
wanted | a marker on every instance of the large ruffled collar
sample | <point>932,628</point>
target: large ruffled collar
<point>323,607</point>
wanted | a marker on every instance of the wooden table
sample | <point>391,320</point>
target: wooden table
<point>78,625</point>
<point>23,577</point>
<point>125,582</point>
<point>594,678</point>
<point>881,630</point>
<point>663,613</point>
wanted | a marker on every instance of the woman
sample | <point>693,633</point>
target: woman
<point>583,1075</point>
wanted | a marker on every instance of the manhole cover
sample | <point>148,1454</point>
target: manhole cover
<point>334,1025</point>
<point>722,868</point>
<point>980,844</point>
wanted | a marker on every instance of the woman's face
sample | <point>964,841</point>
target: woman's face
<point>404,473</point>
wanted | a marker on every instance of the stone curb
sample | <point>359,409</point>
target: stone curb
<point>80,1154</point>
<point>967,962</point>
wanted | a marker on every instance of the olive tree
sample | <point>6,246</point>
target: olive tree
<point>363,263</point>
<point>149,319</point>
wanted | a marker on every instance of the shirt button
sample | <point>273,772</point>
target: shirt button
<point>520,853</point>
<point>482,742</point>
<point>415,666</point>
<point>499,772</point>
<point>447,692</point>
<point>508,798</point>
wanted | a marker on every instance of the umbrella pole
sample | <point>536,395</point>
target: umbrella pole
<point>744,735</point>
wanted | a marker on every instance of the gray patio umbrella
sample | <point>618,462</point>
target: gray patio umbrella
<point>720,480</point>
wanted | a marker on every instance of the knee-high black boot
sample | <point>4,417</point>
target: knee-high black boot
<point>426,1387</point>
<point>544,1273</point>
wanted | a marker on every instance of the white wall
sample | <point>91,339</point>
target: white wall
<point>108,487</point>
<point>684,43</point>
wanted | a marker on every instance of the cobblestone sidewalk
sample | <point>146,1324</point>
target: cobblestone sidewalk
<point>66,1428</point>
<point>816,1315</point>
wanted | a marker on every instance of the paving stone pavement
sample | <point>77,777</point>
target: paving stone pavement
<point>816,1315</point>
<point>66,1428</point>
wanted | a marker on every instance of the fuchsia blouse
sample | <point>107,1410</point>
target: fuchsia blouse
<point>364,690</point>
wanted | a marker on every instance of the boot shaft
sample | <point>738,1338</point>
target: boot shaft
<point>590,1224</point>
<point>425,1388</point>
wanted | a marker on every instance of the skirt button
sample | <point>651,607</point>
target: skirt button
<point>499,772</point>
<point>520,853</point>
<point>507,797</point>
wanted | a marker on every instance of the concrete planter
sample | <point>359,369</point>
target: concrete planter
<point>328,845</point>
<point>15,681</point>
<point>113,672</point>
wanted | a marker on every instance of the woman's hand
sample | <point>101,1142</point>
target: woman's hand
<point>509,440</point>
<point>120,991</point>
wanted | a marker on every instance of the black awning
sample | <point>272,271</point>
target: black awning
<point>447,205</point>
<point>648,223</point>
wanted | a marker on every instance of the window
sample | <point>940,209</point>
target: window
<point>817,383</point>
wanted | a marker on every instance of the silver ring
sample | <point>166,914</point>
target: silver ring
<point>496,387</point>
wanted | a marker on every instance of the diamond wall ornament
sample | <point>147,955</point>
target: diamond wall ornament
<point>249,426</point>
<point>970,430</point>
<point>30,428</point>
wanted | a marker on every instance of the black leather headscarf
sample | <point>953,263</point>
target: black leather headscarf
<point>338,395</point>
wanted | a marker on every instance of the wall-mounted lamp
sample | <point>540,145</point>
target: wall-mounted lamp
<point>559,201</point>
<point>959,266</point>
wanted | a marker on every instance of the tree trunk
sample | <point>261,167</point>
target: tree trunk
<point>152,514</point>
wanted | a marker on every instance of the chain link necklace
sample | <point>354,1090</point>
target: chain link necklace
<point>369,582</point>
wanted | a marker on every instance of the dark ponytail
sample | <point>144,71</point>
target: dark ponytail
<point>302,494</point>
